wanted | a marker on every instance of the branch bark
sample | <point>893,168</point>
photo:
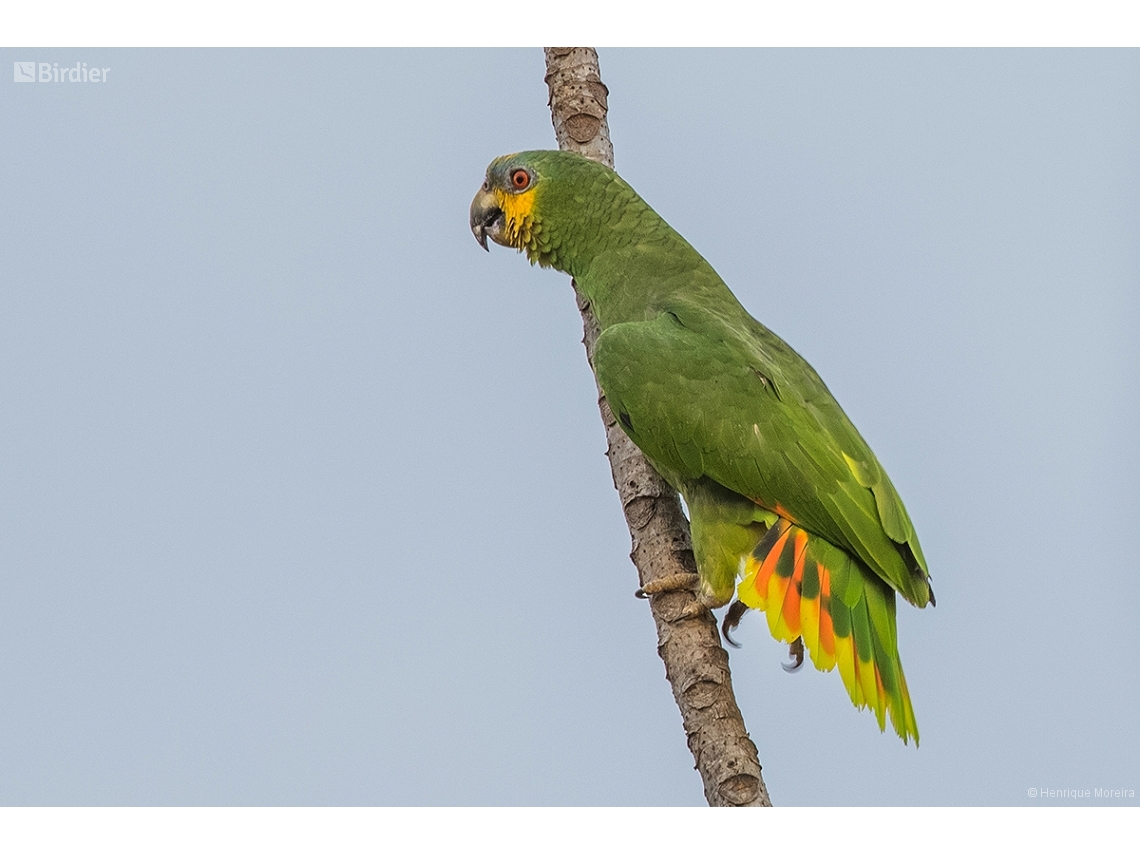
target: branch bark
<point>696,665</point>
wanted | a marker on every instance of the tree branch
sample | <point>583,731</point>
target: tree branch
<point>695,663</point>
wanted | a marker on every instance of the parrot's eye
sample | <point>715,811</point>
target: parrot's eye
<point>520,179</point>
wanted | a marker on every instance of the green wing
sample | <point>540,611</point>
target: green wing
<point>714,394</point>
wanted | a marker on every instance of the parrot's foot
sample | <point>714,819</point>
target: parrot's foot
<point>795,653</point>
<point>732,621</point>
<point>671,584</point>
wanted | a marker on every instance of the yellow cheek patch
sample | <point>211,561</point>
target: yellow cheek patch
<point>517,211</point>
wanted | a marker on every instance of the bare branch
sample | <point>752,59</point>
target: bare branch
<point>695,663</point>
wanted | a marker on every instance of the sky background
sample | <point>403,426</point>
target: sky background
<point>303,497</point>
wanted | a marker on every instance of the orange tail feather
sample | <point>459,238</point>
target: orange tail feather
<point>796,589</point>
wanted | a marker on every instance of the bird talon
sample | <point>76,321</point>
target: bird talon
<point>669,584</point>
<point>796,652</point>
<point>691,610</point>
<point>732,620</point>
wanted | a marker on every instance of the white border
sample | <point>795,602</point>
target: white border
<point>230,23</point>
<point>554,831</point>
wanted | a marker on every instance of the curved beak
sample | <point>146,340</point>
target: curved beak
<point>486,217</point>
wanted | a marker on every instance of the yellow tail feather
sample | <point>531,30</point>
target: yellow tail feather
<point>792,586</point>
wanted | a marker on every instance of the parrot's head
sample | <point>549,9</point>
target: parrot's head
<point>504,208</point>
<point>539,202</point>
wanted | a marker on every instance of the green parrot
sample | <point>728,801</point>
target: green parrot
<point>788,506</point>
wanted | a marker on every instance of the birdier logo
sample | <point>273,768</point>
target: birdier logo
<point>50,72</point>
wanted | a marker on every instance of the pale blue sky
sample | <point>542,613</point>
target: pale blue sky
<point>303,497</point>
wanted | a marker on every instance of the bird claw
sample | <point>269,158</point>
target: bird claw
<point>677,610</point>
<point>668,584</point>
<point>796,652</point>
<point>732,620</point>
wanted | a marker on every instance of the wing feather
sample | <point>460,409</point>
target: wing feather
<point>706,406</point>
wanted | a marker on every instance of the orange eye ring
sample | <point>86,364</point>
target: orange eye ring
<point>520,179</point>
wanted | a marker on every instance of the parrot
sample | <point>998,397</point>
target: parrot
<point>789,509</point>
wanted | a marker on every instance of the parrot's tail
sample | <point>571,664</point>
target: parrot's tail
<point>845,614</point>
